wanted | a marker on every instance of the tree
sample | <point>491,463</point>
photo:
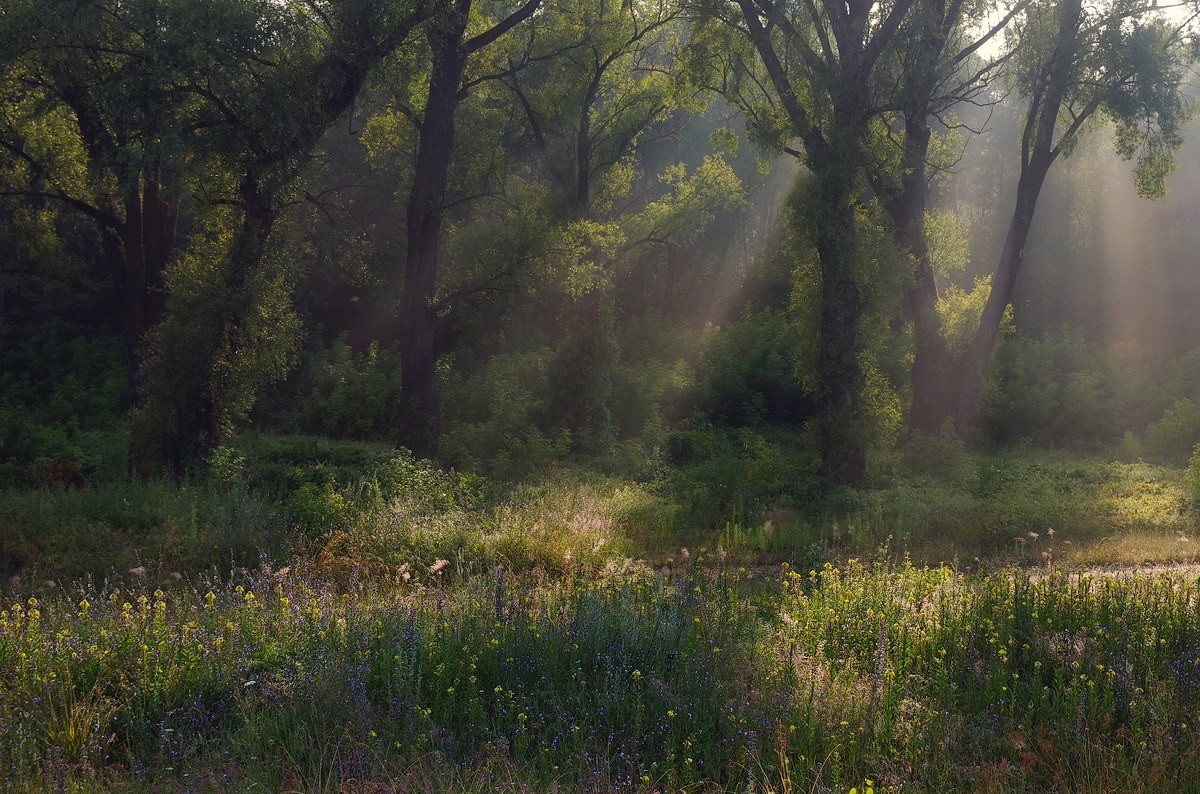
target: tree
<point>128,111</point>
<point>598,89</point>
<point>938,70</point>
<point>276,78</point>
<point>450,48</point>
<point>1073,64</point>
<point>92,122</point>
<point>821,77</point>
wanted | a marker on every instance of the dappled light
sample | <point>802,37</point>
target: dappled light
<point>559,395</point>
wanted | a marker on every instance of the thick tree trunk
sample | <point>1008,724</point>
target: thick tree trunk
<point>138,253</point>
<point>840,395</point>
<point>935,369</point>
<point>420,422</point>
<point>192,381</point>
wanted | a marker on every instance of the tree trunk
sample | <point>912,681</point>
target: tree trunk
<point>840,405</point>
<point>420,424</point>
<point>976,360</point>
<point>933,365</point>
<point>138,252</point>
<point>1038,153</point>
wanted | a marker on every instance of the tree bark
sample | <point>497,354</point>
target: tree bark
<point>420,411</point>
<point>975,362</point>
<point>840,394</point>
<point>138,251</point>
<point>420,423</point>
<point>1039,150</point>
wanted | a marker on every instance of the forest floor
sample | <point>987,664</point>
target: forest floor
<point>334,618</point>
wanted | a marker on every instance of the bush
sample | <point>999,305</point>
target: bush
<point>496,419</point>
<point>748,373</point>
<point>1057,389</point>
<point>939,455</point>
<point>340,393</point>
<point>1172,438</point>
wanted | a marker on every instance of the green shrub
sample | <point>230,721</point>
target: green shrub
<point>496,419</point>
<point>1172,438</point>
<point>748,372</point>
<point>1057,389</point>
<point>941,455</point>
<point>338,392</point>
<point>1192,474</point>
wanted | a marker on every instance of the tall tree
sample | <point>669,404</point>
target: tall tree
<point>938,70</point>
<point>277,77</point>
<point>93,122</point>
<point>598,87</point>
<point>1072,65</point>
<point>821,77</point>
<point>451,45</point>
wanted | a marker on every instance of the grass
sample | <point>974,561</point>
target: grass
<point>337,618</point>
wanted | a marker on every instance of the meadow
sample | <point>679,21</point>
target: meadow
<point>319,617</point>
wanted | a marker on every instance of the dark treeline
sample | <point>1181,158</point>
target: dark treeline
<point>502,233</point>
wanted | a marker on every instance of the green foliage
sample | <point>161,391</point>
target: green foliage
<point>1192,474</point>
<point>62,388</point>
<point>748,371</point>
<point>739,477</point>
<point>326,482</point>
<point>499,422</point>
<point>959,311</point>
<point>697,677</point>
<point>1057,389</point>
<point>105,531</point>
<point>1172,438</point>
<point>942,455</point>
<point>338,392</point>
<point>1012,660</point>
<point>1149,111</point>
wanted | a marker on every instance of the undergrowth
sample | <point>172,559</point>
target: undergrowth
<point>321,616</point>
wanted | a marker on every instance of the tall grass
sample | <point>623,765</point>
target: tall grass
<point>328,617</point>
<point>912,678</point>
<point>1021,682</point>
<point>279,677</point>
